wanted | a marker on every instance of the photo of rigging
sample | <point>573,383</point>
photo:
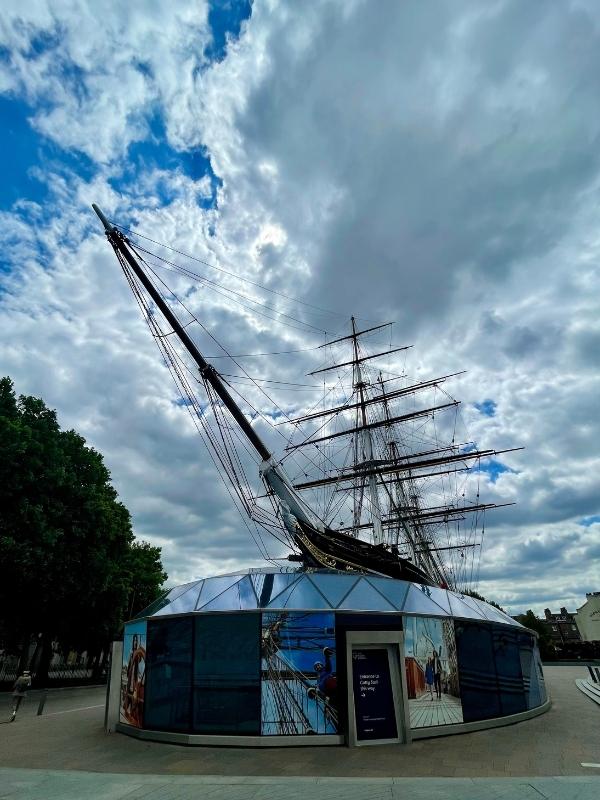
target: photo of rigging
<point>298,674</point>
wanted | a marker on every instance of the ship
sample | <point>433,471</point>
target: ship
<point>374,491</point>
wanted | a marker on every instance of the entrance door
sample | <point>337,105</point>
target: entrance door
<point>376,708</point>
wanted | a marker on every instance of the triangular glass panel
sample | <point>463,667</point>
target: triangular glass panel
<point>439,596</point>
<point>239,597</point>
<point>159,603</point>
<point>182,604</point>
<point>365,597</point>
<point>215,586</point>
<point>495,615</point>
<point>419,601</point>
<point>474,603</point>
<point>246,593</point>
<point>268,586</point>
<point>302,594</point>
<point>461,609</point>
<point>394,591</point>
<point>334,587</point>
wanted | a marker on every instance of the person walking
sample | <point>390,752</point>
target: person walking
<point>437,674</point>
<point>20,692</point>
<point>429,676</point>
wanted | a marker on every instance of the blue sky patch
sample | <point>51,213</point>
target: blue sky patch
<point>225,17</point>
<point>493,468</point>
<point>487,408</point>
<point>587,521</point>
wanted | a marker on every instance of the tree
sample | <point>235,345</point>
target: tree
<point>69,560</point>
<point>529,620</point>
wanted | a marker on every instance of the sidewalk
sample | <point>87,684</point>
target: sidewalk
<point>19,784</point>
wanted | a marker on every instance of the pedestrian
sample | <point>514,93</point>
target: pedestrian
<point>429,676</point>
<point>437,674</point>
<point>20,691</point>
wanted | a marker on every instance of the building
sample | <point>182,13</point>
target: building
<point>587,618</point>
<point>562,627</point>
<point>317,657</point>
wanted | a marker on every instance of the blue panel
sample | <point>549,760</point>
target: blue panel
<point>183,604</point>
<point>474,605</point>
<point>494,614</point>
<point>418,601</point>
<point>169,674</point>
<point>302,594</point>
<point>247,597</point>
<point>365,597</point>
<point>215,586</point>
<point>394,591</point>
<point>272,584</point>
<point>334,587</point>
<point>460,609</point>
<point>439,596</point>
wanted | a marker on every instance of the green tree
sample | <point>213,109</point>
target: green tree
<point>529,620</point>
<point>70,564</point>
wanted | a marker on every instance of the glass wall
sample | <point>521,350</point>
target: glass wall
<point>227,674</point>
<point>275,673</point>
<point>169,675</point>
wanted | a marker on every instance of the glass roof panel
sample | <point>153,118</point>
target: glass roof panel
<point>365,597</point>
<point>215,586</point>
<point>183,603</point>
<point>394,591</point>
<point>418,601</point>
<point>462,609</point>
<point>159,603</point>
<point>239,597</point>
<point>495,615</point>
<point>302,594</point>
<point>334,587</point>
<point>269,585</point>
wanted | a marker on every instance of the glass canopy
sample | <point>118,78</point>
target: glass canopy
<point>292,589</point>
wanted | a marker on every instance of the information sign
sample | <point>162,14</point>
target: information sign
<point>373,695</point>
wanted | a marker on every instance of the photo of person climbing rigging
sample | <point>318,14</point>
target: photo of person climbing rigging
<point>298,675</point>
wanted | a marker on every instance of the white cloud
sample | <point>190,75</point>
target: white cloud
<point>436,169</point>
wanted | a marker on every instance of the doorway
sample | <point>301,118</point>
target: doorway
<point>377,712</point>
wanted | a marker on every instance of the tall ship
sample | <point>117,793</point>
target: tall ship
<point>373,479</point>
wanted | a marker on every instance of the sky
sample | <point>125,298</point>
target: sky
<point>434,164</point>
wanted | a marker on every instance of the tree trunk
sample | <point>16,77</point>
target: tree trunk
<point>41,674</point>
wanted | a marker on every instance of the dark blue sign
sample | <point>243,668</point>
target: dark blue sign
<point>373,696</point>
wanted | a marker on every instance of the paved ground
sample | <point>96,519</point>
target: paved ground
<point>69,736</point>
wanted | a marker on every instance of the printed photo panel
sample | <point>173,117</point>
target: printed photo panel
<point>431,672</point>
<point>133,674</point>
<point>299,693</point>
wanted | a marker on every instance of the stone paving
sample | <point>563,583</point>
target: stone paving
<point>541,756</point>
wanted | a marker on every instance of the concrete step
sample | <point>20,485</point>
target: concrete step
<point>592,690</point>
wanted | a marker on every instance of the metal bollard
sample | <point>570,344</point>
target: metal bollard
<point>42,703</point>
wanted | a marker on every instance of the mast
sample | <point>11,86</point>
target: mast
<point>367,442</point>
<point>271,472</point>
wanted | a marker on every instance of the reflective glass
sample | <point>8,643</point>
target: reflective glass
<point>365,597</point>
<point>227,674</point>
<point>302,594</point>
<point>394,591</point>
<point>495,615</point>
<point>167,704</point>
<point>238,597</point>
<point>476,668</point>
<point>272,585</point>
<point>531,685</point>
<point>508,670</point>
<point>334,587</point>
<point>215,586</point>
<point>418,601</point>
<point>183,604</point>
<point>159,603</point>
<point>461,608</point>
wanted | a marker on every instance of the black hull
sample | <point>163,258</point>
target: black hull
<point>336,550</point>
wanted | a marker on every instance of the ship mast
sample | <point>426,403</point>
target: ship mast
<point>367,442</point>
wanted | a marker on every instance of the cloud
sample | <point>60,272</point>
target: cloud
<point>440,170</point>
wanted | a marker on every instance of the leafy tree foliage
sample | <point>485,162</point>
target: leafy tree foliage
<point>71,568</point>
<point>529,620</point>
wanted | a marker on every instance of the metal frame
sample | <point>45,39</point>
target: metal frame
<point>393,641</point>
